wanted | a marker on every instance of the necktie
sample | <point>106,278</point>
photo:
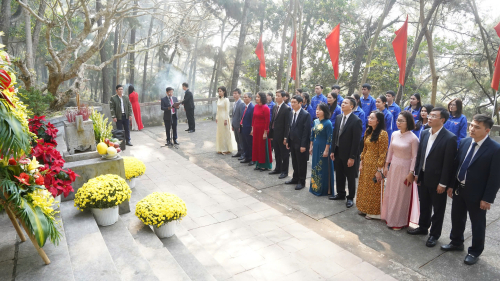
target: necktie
<point>241,122</point>
<point>275,113</point>
<point>465,164</point>
<point>342,124</point>
<point>294,117</point>
<point>172,104</point>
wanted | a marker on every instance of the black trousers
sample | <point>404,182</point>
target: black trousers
<point>239,141</point>
<point>342,172</point>
<point>459,209</point>
<point>299,163</point>
<point>247,145</point>
<point>430,200</point>
<point>124,124</point>
<point>190,118</point>
<point>172,123</point>
<point>282,156</point>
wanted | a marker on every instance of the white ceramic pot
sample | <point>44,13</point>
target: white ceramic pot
<point>166,230</point>
<point>131,182</point>
<point>105,217</point>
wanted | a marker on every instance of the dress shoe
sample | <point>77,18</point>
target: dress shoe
<point>470,259</point>
<point>168,143</point>
<point>256,168</point>
<point>236,155</point>
<point>251,163</point>
<point>187,130</point>
<point>176,142</point>
<point>417,231</point>
<point>241,158</point>
<point>349,203</point>
<point>292,181</point>
<point>191,131</point>
<point>129,144</point>
<point>275,172</point>
<point>431,242</point>
<point>245,161</point>
<point>336,197</point>
<point>299,186</point>
<point>451,247</point>
<point>283,175</point>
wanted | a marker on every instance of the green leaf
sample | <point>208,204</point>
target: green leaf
<point>15,140</point>
<point>35,220</point>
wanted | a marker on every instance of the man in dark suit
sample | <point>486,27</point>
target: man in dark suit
<point>298,142</point>
<point>188,103</point>
<point>246,129</point>
<point>279,128</point>
<point>121,112</point>
<point>433,174</point>
<point>237,113</point>
<point>344,150</point>
<point>170,115</point>
<point>474,187</point>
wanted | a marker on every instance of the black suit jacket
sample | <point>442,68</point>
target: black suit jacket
<point>300,131</point>
<point>282,123</point>
<point>165,104</point>
<point>188,101</point>
<point>439,164</point>
<point>348,142</point>
<point>482,180</point>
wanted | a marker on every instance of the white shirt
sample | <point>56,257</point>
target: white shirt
<point>171,104</point>
<point>430,142</point>
<point>121,100</point>
<point>279,105</point>
<point>295,115</point>
<point>479,143</point>
<point>345,120</point>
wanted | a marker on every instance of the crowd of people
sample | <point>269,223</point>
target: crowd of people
<point>408,161</point>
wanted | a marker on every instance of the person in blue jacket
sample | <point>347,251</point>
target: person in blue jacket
<point>393,107</point>
<point>457,123</point>
<point>422,121</point>
<point>381,103</point>
<point>334,107</point>
<point>307,106</point>
<point>336,89</point>
<point>358,111</point>
<point>318,98</point>
<point>270,104</point>
<point>367,101</point>
<point>415,106</point>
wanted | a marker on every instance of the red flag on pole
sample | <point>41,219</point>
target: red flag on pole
<point>259,51</point>
<point>333,45</point>
<point>496,74</point>
<point>294,57</point>
<point>400,45</point>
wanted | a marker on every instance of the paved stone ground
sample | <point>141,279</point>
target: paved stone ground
<point>301,234</point>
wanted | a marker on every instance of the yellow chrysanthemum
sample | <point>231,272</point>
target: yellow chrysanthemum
<point>104,191</point>
<point>159,208</point>
<point>133,167</point>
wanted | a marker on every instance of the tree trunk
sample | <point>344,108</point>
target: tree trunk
<point>192,70</point>
<point>304,38</point>
<point>257,88</point>
<point>5,23</point>
<point>131,60</point>
<point>416,46</point>
<point>241,43</point>
<point>298,18</point>
<point>38,28</point>
<point>30,62</point>
<point>387,9</point>
<point>432,65</point>
<point>282,54</point>
<point>106,75</point>
<point>216,59</point>
<point>115,51</point>
<point>220,54</point>
<point>359,52</point>
<point>144,75</point>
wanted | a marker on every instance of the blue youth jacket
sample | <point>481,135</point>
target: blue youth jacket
<point>458,126</point>
<point>368,105</point>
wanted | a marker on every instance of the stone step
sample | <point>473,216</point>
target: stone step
<point>90,258</point>
<point>163,264</point>
<point>125,253</point>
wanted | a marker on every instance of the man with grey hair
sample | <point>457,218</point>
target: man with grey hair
<point>246,129</point>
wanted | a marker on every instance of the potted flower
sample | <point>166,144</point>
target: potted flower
<point>102,195</point>
<point>134,168</point>
<point>161,210</point>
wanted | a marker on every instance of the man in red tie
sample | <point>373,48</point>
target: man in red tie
<point>170,115</point>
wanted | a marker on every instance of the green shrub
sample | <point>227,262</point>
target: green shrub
<point>36,101</point>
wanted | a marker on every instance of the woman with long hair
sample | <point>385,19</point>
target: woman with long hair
<point>401,157</point>
<point>457,123</point>
<point>415,106</point>
<point>322,165</point>
<point>223,139</point>
<point>381,104</point>
<point>371,167</point>
<point>423,119</point>
<point>136,107</point>
<point>307,106</point>
<point>333,106</point>
<point>261,148</point>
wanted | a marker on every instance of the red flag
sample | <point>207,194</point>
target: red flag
<point>496,74</point>
<point>333,45</point>
<point>294,57</point>
<point>400,45</point>
<point>259,51</point>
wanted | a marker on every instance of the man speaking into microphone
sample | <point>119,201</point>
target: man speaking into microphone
<point>170,115</point>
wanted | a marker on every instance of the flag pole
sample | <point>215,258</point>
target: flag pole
<point>494,105</point>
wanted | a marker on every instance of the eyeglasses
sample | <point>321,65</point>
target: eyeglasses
<point>433,117</point>
<point>401,121</point>
<point>452,105</point>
